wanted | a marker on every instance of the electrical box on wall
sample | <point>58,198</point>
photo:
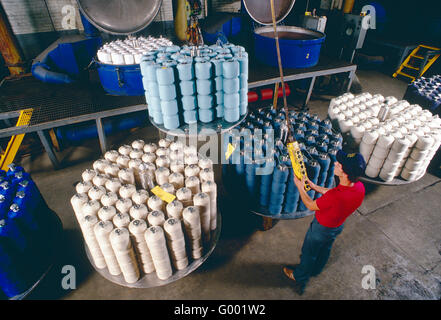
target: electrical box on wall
<point>325,4</point>
<point>315,23</point>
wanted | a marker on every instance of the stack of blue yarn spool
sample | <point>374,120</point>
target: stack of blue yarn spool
<point>191,84</point>
<point>260,166</point>
<point>25,227</point>
<point>426,92</point>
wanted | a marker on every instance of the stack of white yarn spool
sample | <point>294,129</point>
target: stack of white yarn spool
<point>402,144</point>
<point>130,51</point>
<point>130,230</point>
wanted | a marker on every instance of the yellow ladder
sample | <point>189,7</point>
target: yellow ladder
<point>414,55</point>
<point>14,143</point>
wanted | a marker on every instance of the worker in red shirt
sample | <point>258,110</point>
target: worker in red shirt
<point>331,211</point>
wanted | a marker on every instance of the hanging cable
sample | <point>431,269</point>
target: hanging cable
<point>279,59</point>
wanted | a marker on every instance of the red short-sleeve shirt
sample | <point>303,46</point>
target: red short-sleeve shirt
<point>339,203</point>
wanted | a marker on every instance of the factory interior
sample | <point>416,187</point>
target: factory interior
<point>153,149</point>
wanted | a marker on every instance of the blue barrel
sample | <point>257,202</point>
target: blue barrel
<point>121,80</point>
<point>299,47</point>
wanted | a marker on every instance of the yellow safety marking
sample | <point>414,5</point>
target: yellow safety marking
<point>298,166</point>
<point>163,195</point>
<point>230,151</point>
<point>14,143</point>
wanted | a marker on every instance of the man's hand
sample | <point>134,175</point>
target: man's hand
<point>299,183</point>
<point>311,184</point>
<point>309,203</point>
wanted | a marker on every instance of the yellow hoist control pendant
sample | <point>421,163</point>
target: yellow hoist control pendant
<point>298,166</point>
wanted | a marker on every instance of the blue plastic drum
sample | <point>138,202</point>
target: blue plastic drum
<point>299,47</point>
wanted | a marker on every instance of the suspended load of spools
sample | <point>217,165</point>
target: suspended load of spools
<point>394,137</point>
<point>26,229</point>
<point>262,168</point>
<point>184,85</point>
<point>147,208</point>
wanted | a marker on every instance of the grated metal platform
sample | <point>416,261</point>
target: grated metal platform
<point>53,102</point>
<point>56,105</point>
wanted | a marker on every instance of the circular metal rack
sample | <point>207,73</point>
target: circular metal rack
<point>262,211</point>
<point>151,280</point>
<point>394,182</point>
<point>217,126</point>
<point>282,216</point>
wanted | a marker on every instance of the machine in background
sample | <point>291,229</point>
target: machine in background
<point>345,34</point>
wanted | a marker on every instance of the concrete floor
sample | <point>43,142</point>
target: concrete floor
<point>396,230</point>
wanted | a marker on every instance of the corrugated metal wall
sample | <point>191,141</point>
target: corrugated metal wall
<point>225,5</point>
<point>37,23</point>
<point>33,16</point>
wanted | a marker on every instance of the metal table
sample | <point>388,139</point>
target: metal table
<point>218,126</point>
<point>59,105</point>
<point>262,75</point>
<point>151,280</point>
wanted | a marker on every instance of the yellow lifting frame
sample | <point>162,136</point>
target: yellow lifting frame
<point>14,143</point>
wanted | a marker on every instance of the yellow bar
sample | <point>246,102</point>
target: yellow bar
<point>15,141</point>
<point>429,47</point>
<point>9,47</point>
<point>406,75</point>
<point>410,67</point>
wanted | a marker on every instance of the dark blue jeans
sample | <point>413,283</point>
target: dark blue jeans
<point>315,251</point>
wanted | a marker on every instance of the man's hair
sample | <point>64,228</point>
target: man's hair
<point>353,178</point>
